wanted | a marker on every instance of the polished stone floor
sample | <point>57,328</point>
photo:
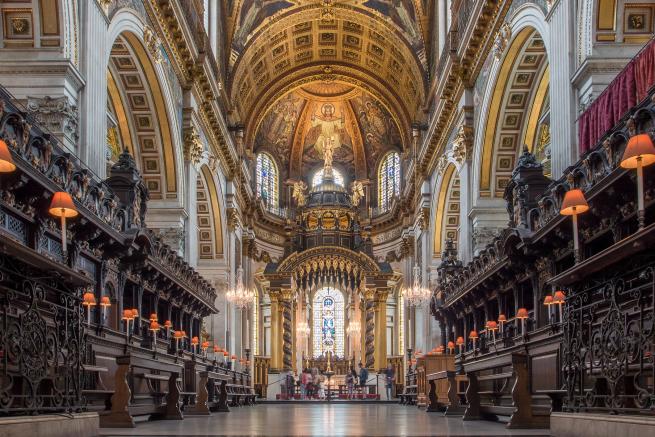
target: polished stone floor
<point>321,420</point>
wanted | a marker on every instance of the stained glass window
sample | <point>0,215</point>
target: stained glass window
<point>388,180</point>
<point>318,177</point>
<point>328,322</point>
<point>266,176</point>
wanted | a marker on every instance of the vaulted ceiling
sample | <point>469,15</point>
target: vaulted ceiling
<point>363,60</point>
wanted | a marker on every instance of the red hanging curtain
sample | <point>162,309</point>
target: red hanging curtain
<point>626,90</point>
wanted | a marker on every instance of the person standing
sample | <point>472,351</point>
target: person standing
<point>304,383</point>
<point>351,377</point>
<point>363,377</point>
<point>389,380</point>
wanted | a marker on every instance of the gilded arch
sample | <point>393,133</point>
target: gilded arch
<point>520,92</point>
<point>210,227</point>
<point>447,210</point>
<point>141,123</point>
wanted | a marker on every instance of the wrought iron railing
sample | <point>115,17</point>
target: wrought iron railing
<point>609,340</point>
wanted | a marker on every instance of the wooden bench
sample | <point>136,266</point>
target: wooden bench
<point>100,391</point>
<point>123,411</point>
<point>408,396</point>
<point>212,393</point>
<point>515,383</point>
<point>453,407</point>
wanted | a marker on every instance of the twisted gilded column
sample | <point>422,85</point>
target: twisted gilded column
<point>369,341</point>
<point>287,325</point>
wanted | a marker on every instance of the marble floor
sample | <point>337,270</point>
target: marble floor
<point>321,420</point>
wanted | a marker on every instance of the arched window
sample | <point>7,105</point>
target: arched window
<point>388,180</point>
<point>267,180</point>
<point>328,321</point>
<point>318,177</point>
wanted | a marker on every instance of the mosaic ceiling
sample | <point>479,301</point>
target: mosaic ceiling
<point>299,65</point>
<point>295,126</point>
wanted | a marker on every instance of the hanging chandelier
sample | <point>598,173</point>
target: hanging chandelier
<point>416,295</point>
<point>240,296</point>
<point>302,329</point>
<point>354,328</point>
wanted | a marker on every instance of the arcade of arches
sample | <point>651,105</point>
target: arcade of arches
<point>214,208</point>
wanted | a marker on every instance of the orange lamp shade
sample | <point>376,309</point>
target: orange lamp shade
<point>168,324</point>
<point>492,325</point>
<point>153,316</point>
<point>226,353</point>
<point>178,335</point>
<point>234,357</point>
<point>127,315</point>
<point>559,297</point>
<point>6,161</point>
<point>183,333</point>
<point>522,313</point>
<point>473,335</point>
<point>639,147</point>
<point>440,349</point>
<point>89,299</point>
<point>105,302</point>
<point>62,205</point>
<point>460,340</point>
<point>548,300</point>
<point>205,344</point>
<point>502,318</point>
<point>194,341</point>
<point>154,326</point>
<point>451,345</point>
<point>217,349</point>
<point>574,203</point>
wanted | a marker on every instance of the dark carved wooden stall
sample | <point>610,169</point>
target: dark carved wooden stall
<point>56,357</point>
<point>596,355</point>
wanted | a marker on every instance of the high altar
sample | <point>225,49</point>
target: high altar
<point>329,285</point>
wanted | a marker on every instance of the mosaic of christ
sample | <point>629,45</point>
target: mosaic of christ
<point>328,123</point>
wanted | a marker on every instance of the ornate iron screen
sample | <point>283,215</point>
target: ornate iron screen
<point>609,341</point>
<point>42,341</point>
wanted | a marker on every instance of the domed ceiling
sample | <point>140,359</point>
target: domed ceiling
<point>350,70</point>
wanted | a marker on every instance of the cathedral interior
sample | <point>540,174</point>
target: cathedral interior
<point>327,217</point>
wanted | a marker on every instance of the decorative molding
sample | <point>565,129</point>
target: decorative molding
<point>463,144</point>
<point>174,237</point>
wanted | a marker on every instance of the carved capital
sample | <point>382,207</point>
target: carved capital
<point>57,114</point>
<point>463,144</point>
<point>193,146</point>
<point>153,44</point>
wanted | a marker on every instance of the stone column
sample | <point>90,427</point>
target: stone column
<point>564,143</point>
<point>381,329</point>
<point>94,51</point>
<point>369,337</point>
<point>287,331</point>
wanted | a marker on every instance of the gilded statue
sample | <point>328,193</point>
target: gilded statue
<point>299,193</point>
<point>357,193</point>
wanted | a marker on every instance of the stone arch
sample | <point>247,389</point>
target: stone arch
<point>514,100</point>
<point>139,99</point>
<point>210,222</point>
<point>446,209</point>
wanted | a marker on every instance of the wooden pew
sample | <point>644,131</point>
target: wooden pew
<point>514,383</point>
<point>212,393</point>
<point>99,392</point>
<point>452,406</point>
<point>165,403</point>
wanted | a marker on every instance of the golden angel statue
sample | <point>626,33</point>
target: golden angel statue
<point>298,194</point>
<point>357,193</point>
